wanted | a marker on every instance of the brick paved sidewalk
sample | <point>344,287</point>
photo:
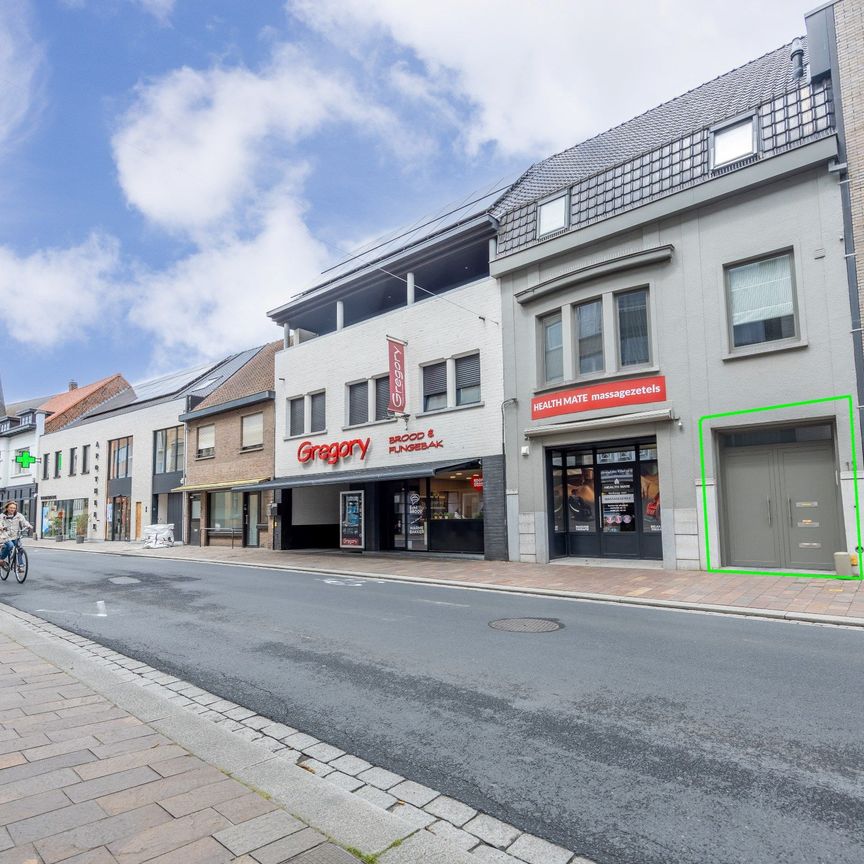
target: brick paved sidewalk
<point>781,594</point>
<point>84,782</point>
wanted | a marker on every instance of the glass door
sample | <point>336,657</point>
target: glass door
<point>252,519</point>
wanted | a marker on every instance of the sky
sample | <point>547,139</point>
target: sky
<point>170,170</point>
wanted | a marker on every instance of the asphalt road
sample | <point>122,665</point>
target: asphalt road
<point>631,735</point>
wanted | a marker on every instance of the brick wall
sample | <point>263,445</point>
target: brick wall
<point>849,24</point>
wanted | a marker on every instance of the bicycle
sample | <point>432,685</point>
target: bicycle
<point>22,565</point>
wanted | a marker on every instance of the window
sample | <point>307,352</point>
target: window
<point>435,386</point>
<point>73,461</point>
<point>206,441</point>
<point>633,327</point>
<point>589,337</point>
<point>170,447</point>
<point>553,348</point>
<point>45,466</point>
<point>761,301</point>
<point>552,216</point>
<point>296,416</point>
<point>382,397</point>
<point>318,410</point>
<point>17,465</point>
<point>732,143</point>
<point>468,379</point>
<point>358,403</point>
<point>224,511</point>
<point>85,459</point>
<point>58,463</point>
<point>120,458</point>
<point>252,431</point>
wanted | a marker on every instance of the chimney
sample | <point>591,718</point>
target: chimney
<point>73,385</point>
<point>796,55</point>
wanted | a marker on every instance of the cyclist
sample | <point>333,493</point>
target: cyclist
<point>12,525</point>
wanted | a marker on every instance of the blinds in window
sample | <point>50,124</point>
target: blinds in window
<point>206,437</point>
<point>761,291</point>
<point>382,397</point>
<point>318,413</point>
<point>358,403</point>
<point>295,416</point>
<point>434,379</point>
<point>468,371</point>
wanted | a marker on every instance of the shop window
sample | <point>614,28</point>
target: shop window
<point>170,447</point>
<point>206,442</point>
<point>224,512</point>
<point>58,462</point>
<point>382,397</point>
<point>358,403</point>
<point>468,379</point>
<point>761,299</point>
<point>85,459</point>
<point>581,515</point>
<point>252,431</point>
<point>589,337</point>
<point>435,386</point>
<point>318,410</point>
<point>73,461</point>
<point>552,215</point>
<point>120,458</point>
<point>633,344</point>
<point>45,466</point>
<point>58,517</point>
<point>296,416</point>
<point>732,143</point>
<point>553,348</point>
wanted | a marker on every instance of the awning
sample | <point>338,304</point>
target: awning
<point>664,414</point>
<point>362,475</point>
<point>200,487</point>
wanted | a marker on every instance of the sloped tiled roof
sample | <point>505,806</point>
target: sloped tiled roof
<point>256,376</point>
<point>64,401</point>
<point>16,408</point>
<point>731,94</point>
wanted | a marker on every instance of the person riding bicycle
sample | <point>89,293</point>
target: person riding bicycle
<point>12,525</point>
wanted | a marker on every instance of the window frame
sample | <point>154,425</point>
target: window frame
<point>602,371</point>
<point>349,420</point>
<point>426,396</point>
<point>478,385</point>
<point>46,465</point>
<point>323,394</point>
<point>85,459</point>
<point>205,452</point>
<point>246,448</point>
<point>545,202</point>
<point>73,461</point>
<point>620,365</point>
<point>18,469</point>
<point>542,320</point>
<point>387,415</point>
<point>58,463</point>
<point>727,126</point>
<point>114,448</point>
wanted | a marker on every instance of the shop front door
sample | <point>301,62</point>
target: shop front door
<point>195,520</point>
<point>252,519</point>
<point>120,518</point>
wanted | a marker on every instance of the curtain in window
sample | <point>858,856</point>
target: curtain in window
<point>589,333</point>
<point>761,291</point>
<point>633,327</point>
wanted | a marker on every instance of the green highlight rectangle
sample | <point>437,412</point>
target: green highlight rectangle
<point>848,399</point>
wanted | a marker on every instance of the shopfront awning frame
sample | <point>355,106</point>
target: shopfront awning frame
<point>360,475</point>
<point>658,416</point>
<point>226,485</point>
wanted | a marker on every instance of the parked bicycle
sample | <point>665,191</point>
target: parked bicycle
<point>17,560</point>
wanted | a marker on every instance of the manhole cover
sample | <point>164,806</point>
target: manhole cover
<point>526,625</point>
<point>123,580</point>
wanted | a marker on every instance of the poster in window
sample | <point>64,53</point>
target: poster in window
<point>580,499</point>
<point>351,527</point>
<point>650,482</point>
<point>618,499</point>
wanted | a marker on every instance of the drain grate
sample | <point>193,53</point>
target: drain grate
<point>526,625</point>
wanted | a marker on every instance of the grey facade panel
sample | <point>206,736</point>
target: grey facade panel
<point>166,482</point>
<point>494,509</point>
<point>121,486</point>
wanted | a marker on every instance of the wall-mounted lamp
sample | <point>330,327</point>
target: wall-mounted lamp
<point>526,449</point>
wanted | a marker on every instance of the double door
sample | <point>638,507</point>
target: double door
<point>781,506</point>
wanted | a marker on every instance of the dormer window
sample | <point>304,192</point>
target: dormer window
<point>733,142</point>
<point>4,425</point>
<point>552,215</point>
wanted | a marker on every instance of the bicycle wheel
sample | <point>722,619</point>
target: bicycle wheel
<point>4,569</point>
<point>23,565</point>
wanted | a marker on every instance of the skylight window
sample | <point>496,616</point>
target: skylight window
<point>205,384</point>
<point>732,143</point>
<point>552,215</point>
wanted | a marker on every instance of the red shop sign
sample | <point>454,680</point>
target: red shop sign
<point>477,481</point>
<point>333,452</point>
<point>396,356</point>
<point>615,394</point>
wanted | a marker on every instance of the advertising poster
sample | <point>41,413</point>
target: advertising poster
<point>618,499</point>
<point>351,527</point>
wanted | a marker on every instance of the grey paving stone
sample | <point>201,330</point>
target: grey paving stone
<point>488,855</point>
<point>535,850</point>
<point>286,848</point>
<point>450,809</point>
<point>323,752</point>
<point>459,838</point>
<point>376,797</point>
<point>413,793</point>
<point>344,781</point>
<point>224,706</point>
<point>299,740</point>
<point>258,832</point>
<point>320,769</point>
<point>428,849</point>
<point>257,722</point>
<point>248,734</point>
<point>351,765</point>
<point>380,777</point>
<point>327,853</point>
<point>278,730</point>
<point>239,713</point>
<point>412,815</point>
<point>492,831</point>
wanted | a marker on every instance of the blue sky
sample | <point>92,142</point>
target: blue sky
<point>172,169</point>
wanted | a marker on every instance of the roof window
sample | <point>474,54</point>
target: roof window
<point>733,142</point>
<point>552,215</point>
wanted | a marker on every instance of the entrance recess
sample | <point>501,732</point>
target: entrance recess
<point>781,500</point>
<point>605,501</point>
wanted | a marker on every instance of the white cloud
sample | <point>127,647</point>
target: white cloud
<point>541,76</point>
<point>160,9</point>
<point>21,62</point>
<point>60,295</point>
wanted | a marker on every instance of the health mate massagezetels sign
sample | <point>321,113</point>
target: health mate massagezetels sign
<point>616,394</point>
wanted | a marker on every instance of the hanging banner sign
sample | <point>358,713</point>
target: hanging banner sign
<point>615,394</point>
<point>352,532</point>
<point>396,356</point>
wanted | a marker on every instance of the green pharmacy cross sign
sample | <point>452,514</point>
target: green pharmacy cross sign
<point>25,460</point>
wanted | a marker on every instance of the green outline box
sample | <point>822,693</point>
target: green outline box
<point>848,399</point>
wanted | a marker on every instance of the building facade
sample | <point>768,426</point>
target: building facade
<point>231,440</point>
<point>681,353</point>
<point>425,475</point>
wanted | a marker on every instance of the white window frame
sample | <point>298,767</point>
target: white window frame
<point>553,199</point>
<point>728,126</point>
<point>199,450</point>
<point>245,448</point>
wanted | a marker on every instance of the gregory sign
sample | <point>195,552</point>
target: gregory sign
<point>615,394</point>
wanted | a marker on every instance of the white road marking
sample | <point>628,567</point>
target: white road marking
<point>341,582</point>
<point>101,611</point>
<point>441,603</point>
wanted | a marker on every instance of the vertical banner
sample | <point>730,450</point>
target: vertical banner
<point>352,532</point>
<point>396,356</point>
